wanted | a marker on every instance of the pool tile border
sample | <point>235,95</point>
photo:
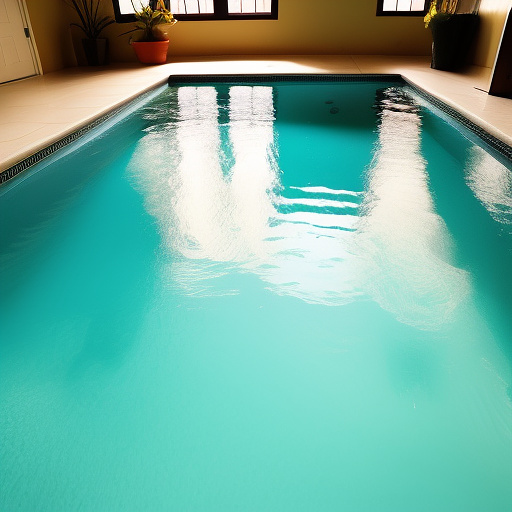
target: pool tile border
<point>502,147</point>
<point>288,77</point>
<point>40,155</point>
<point>495,143</point>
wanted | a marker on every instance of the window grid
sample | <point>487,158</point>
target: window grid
<point>191,6</point>
<point>402,7</point>
<point>249,6</point>
<point>206,9</point>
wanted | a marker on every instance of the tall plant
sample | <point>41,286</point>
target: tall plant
<point>91,22</point>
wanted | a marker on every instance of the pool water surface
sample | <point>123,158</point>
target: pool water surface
<point>260,297</point>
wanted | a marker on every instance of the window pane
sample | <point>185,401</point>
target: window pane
<point>389,5</point>
<point>178,7</point>
<point>206,6</point>
<point>403,5</point>
<point>248,6</point>
<point>263,6</point>
<point>234,6</point>
<point>418,5</point>
<point>192,6</point>
<point>125,6</point>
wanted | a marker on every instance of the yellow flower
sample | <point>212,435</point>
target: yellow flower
<point>431,13</point>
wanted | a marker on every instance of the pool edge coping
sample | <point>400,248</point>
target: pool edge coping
<point>74,133</point>
<point>469,121</point>
<point>466,119</point>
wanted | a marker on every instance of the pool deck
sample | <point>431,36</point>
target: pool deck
<point>37,111</point>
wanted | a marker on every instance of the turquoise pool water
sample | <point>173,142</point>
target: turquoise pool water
<point>287,297</point>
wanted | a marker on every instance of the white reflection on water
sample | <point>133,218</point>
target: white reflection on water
<point>213,216</point>
<point>491,182</point>
<point>254,175</point>
<point>403,246</point>
<point>328,191</point>
<point>219,206</point>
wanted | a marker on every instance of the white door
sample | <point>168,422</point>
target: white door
<point>17,58</point>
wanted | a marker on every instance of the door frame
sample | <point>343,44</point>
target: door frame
<point>32,41</point>
<point>32,47</point>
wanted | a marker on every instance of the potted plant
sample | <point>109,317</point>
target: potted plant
<point>92,25</point>
<point>151,47</point>
<point>452,33</point>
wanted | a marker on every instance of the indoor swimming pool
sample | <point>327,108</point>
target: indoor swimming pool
<point>267,296</point>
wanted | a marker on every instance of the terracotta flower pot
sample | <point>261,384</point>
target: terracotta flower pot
<point>154,52</point>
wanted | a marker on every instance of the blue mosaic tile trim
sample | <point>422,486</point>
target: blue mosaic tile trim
<point>200,79</point>
<point>502,147</point>
<point>28,162</point>
<point>40,155</point>
<point>489,139</point>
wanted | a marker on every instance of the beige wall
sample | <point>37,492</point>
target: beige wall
<point>339,27</point>
<point>493,14</point>
<point>50,26</point>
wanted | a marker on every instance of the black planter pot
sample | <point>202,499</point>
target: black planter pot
<point>452,35</point>
<point>96,51</point>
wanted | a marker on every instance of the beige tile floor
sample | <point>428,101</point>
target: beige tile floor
<point>38,111</point>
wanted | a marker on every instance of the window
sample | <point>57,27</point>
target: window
<point>204,9</point>
<point>402,7</point>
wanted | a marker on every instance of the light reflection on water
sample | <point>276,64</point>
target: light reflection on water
<point>219,202</point>
<point>403,245</point>
<point>491,182</point>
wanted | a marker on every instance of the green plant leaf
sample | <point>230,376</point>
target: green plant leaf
<point>91,23</point>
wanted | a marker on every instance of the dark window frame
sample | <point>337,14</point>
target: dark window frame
<point>381,12</point>
<point>220,13</point>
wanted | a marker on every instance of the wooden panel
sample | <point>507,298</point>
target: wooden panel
<point>4,18</point>
<point>501,82</point>
<point>9,51</point>
<point>16,59</point>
